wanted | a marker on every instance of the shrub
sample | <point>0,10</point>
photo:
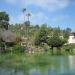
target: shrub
<point>18,48</point>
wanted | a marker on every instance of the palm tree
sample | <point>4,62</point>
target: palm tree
<point>28,16</point>
<point>27,23</point>
<point>24,10</point>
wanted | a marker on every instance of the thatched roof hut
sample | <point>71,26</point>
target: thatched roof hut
<point>8,36</point>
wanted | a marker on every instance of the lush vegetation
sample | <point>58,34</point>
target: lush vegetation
<point>41,38</point>
<point>40,43</point>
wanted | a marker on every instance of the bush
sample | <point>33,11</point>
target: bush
<point>18,48</point>
<point>55,41</point>
<point>69,47</point>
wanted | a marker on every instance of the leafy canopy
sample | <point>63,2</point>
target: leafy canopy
<point>4,20</point>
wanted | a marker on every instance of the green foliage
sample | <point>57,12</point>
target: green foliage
<point>46,47</point>
<point>2,47</point>
<point>66,33</point>
<point>69,47</point>
<point>4,20</point>
<point>44,36</point>
<point>18,49</point>
<point>55,41</point>
<point>41,36</point>
<point>56,31</point>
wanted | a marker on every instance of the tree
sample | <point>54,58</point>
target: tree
<point>56,31</point>
<point>55,41</point>
<point>27,23</point>
<point>24,10</point>
<point>37,26</point>
<point>41,36</point>
<point>28,16</point>
<point>66,32</point>
<point>4,20</point>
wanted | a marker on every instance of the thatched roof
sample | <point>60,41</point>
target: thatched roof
<point>8,36</point>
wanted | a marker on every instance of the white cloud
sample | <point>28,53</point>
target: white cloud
<point>50,5</point>
<point>40,17</point>
<point>11,1</point>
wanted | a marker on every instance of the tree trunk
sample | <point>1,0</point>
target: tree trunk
<point>58,51</point>
<point>52,50</point>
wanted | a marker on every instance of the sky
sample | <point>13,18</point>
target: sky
<point>54,13</point>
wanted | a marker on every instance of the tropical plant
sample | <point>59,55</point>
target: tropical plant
<point>24,10</point>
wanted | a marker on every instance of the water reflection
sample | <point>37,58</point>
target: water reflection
<point>58,66</point>
<point>72,63</point>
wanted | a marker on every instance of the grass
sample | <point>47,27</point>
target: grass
<point>22,60</point>
<point>27,61</point>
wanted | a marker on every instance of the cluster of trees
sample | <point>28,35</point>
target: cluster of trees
<point>53,37</point>
<point>7,38</point>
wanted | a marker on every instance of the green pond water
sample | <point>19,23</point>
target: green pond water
<point>59,65</point>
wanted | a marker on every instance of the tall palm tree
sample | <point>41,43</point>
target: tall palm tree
<point>28,22</point>
<point>28,16</point>
<point>24,10</point>
<point>25,23</point>
<point>24,14</point>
